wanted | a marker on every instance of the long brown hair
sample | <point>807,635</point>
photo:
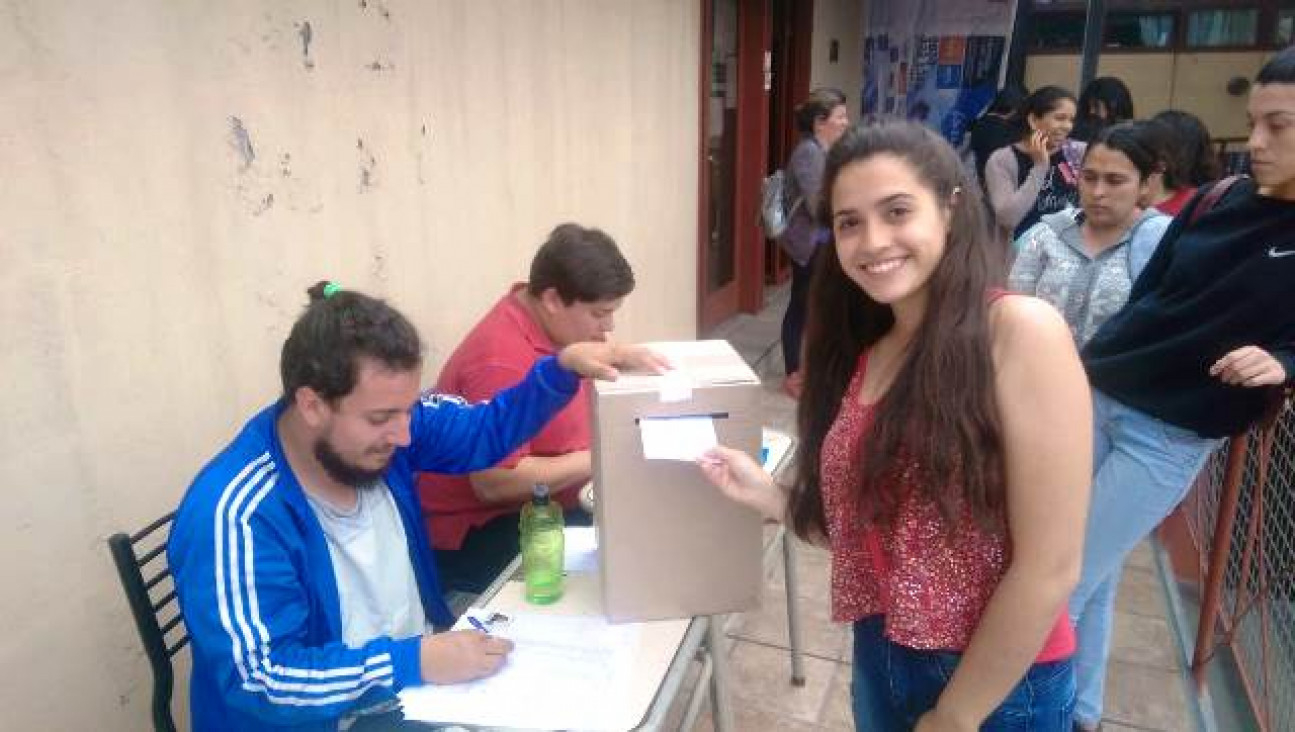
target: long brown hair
<point>940,411</point>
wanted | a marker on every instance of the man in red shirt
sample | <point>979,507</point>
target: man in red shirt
<point>578,279</point>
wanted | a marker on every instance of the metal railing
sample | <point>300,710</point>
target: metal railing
<point>1240,515</point>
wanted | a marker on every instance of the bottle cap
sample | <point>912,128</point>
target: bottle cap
<point>540,493</point>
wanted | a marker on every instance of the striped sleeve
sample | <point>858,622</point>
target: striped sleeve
<point>449,435</point>
<point>247,611</point>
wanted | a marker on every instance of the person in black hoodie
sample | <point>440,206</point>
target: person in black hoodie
<point>999,126</point>
<point>1208,332</point>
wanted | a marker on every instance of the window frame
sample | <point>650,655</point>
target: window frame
<point>1277,19</point>
<point>1175,29</point>
<point>1268,11</point>
<point>1257,44</point>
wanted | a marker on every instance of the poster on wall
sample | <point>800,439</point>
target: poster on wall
<point>936,61</point>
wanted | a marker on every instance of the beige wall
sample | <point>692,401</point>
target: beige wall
<point>1200,85</point>
<point>842,21</point>
<point>1194,82</point>
<point>152,265</point>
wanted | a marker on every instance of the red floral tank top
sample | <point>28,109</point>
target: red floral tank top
<point>931,584</point>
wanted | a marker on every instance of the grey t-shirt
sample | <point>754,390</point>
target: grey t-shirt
<point>375,579</point>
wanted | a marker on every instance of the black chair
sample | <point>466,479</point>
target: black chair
<point>141,575</point>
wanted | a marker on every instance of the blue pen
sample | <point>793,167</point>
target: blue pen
<point>478,625</point>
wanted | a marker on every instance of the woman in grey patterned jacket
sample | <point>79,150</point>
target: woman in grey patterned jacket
<point>1084,261</point>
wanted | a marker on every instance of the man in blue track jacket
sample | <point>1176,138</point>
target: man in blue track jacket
<point>300,559</point>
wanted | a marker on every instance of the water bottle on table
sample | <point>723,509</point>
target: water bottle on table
<point>542,547</point>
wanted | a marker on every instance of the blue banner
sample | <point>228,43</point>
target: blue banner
<point>936,61</point>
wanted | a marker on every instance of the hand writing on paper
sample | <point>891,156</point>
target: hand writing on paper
<point>457,656</point>
<point>603,360</point>
<point>1249,366</point>
<point>739,477</point>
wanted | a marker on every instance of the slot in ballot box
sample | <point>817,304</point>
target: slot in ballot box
<point>670,544</point>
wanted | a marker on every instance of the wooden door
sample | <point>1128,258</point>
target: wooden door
<point>793,27</point>
<point>734,144</point>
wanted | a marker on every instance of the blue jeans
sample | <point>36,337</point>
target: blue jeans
<point>793,321</point>
<point>893,685</point>
<point>1142,468</point>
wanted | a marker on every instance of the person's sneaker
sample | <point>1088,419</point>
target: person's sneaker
<point>793,385</point>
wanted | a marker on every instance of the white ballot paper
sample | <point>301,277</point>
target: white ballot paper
<point>677,438</point>
<point>565,672</point>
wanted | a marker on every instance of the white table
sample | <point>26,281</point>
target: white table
<point>667,648</point>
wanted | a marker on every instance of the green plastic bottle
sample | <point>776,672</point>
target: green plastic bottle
<point>542,547</point>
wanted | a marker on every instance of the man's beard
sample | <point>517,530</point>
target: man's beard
<point>344,472</point>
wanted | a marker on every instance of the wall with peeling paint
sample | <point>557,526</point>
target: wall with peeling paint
<point>177,172</point>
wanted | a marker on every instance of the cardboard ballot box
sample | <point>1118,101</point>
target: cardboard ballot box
<point>670,544</point>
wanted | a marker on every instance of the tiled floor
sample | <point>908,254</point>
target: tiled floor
<point>1144,691</point>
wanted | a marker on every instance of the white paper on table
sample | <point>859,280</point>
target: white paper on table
<point>565,672</point>
<point>580,549</point>
<point>677,438</point>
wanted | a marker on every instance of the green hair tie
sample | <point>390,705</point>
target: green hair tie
<point>332,288</point>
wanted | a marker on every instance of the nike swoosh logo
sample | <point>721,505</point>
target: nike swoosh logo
<point>1275,253</point>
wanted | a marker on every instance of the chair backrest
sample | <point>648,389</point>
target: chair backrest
<point>141,565</point>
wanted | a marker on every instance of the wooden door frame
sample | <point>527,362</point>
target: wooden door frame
<point>791,76</point>
<point>795,75</point>
<point>746,293</point>
<point>755,43</point>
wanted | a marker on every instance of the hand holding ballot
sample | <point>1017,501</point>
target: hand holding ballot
<point>457,656</point>
<point>603,359</point>
<point>739,477</point>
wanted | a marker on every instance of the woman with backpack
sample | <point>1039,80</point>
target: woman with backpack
<point>1208,330</point>
<point>821,119</point>
<point>1084,260</point>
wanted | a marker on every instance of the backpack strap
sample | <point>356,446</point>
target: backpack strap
<point>1140,252</point>
<point>1212,197</point>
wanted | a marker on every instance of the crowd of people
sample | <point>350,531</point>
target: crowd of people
<point>979,463</point>
<point>980,447</point>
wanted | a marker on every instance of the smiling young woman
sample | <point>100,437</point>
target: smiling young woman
<point>1039,174</point>
<point>940,457</point>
